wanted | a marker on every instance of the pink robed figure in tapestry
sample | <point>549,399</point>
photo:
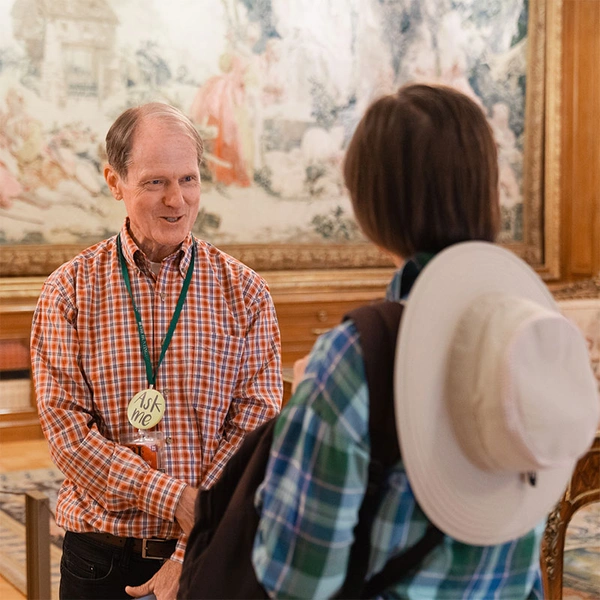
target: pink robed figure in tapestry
<point>218,105</point>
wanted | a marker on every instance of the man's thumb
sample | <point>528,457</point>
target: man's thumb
<point>138,591</point>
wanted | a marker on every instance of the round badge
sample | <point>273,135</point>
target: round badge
<point>146,409</point>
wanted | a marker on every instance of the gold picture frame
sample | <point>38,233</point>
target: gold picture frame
<point>541,191</point>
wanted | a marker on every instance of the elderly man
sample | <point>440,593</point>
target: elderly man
<point>153,354</point>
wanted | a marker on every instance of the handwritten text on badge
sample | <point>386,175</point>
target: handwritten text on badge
<point>146,409</point>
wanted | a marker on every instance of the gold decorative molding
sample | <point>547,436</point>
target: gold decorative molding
<point>533,169</point>
<point>30,260</point>
<point>583,489</point>
<point>552,139</point>
<point>541,169</point>
<point>584,486</point>
<point>551,540</point>
<point>284,257</point>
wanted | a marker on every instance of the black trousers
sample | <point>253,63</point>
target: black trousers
<point>95,570</point>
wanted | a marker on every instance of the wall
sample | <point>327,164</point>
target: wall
<point>580,157</point>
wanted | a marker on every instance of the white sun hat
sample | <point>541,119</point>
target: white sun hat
<point>495,399</point>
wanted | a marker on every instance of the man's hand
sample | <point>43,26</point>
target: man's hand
<point>164,584</point>
<point>184,513</point>
<point>299,368</point>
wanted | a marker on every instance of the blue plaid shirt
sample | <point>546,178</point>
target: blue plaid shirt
<point>314,486</point>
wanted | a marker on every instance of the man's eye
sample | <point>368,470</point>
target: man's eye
<point>155,182</point>
<point>188,178</point>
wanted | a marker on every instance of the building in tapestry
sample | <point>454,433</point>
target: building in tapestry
<point>70,45</point>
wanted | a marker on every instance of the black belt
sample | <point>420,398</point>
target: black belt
<point>147,547</point>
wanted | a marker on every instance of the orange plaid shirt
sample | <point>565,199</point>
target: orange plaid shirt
<point>221,377</point>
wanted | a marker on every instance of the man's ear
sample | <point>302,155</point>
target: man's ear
<point>113,179</point>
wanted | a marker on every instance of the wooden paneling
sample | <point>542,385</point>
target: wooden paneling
<point>580,117</point>
<point>16,426</point>
<point>17,303</point>
<point>309,303</point>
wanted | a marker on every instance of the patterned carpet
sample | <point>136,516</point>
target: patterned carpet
<point>581,564</point>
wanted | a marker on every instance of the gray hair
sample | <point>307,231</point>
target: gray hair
<point>119,139</point>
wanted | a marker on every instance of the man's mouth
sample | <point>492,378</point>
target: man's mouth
<point>171,219</point>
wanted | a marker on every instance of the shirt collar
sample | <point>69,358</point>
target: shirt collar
<point>135,257</point>
<point>404,278</point>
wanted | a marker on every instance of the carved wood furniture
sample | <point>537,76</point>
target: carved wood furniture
<point>584,488</point>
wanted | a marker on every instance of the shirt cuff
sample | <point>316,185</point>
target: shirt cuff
<point>160,494</point>
<point>177,556</point>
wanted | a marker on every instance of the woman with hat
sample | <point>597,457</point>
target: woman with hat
<point>494,398</point>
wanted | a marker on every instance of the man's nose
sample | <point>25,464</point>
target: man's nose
<point>174,195</point>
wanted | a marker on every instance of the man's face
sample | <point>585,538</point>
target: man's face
<point>162,188</point>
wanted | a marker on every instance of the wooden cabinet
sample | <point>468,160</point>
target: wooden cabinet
<point>18,297</point>
<point>308,303</point>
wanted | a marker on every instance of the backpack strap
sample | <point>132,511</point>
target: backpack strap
<point>378,326</point>
<point>403,563</point>
<point>218,558</point>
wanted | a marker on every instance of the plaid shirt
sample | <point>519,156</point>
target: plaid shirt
<point>221,377</point>
<point>315,483</point>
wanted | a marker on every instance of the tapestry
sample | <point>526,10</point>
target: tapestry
<point>275,87</point>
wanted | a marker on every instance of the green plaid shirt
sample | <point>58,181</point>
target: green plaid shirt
<point>314,486</point>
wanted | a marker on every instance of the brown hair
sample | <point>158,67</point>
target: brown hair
<point>422,171</point>
<point>119,139</point>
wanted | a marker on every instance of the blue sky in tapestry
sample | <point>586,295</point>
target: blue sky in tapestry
<point>275,87</point>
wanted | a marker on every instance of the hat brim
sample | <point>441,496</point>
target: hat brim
<point>467,503</point>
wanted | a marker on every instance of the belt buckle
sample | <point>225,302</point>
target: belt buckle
<point>145,549</point>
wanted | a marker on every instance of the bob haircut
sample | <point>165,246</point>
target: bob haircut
<point>119,139</point>
<point>422,171</point>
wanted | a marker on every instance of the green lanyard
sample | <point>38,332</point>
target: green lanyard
<point>150,374</point>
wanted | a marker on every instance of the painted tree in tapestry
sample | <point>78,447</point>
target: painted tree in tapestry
<point>275,87</point>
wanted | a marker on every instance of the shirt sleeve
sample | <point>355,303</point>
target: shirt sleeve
<point>316,475</point>
<point>259,388</point>
<point>111,474</point>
